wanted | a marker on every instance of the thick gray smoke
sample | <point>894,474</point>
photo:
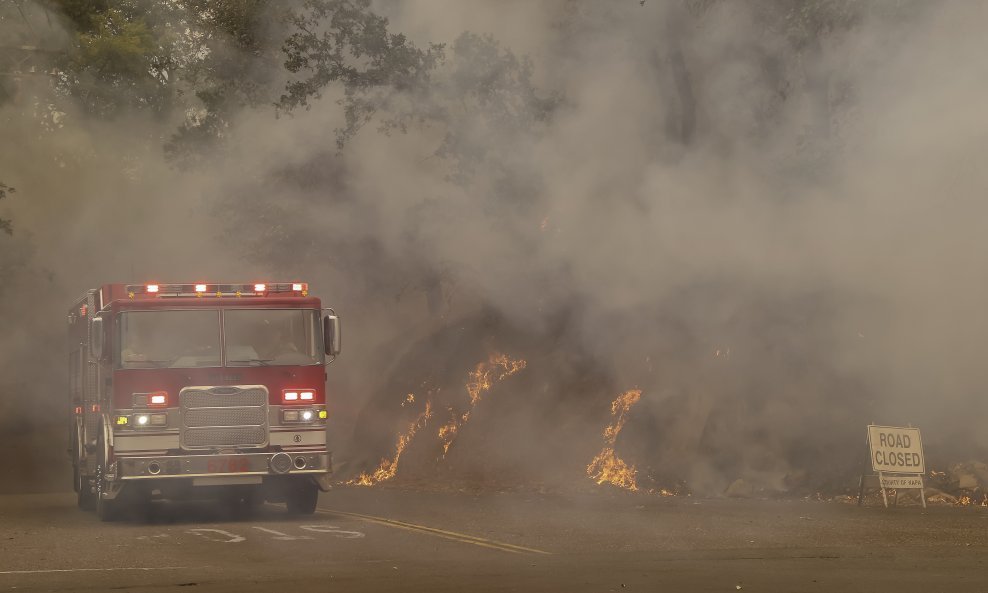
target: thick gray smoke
<point>768,220</point>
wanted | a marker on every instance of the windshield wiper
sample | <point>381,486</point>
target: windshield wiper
<point>260,361</point>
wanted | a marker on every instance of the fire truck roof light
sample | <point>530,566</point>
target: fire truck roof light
<point>291,396</point>
<point>306,395</point>
<point>158,399</point>
<point>200,289</point>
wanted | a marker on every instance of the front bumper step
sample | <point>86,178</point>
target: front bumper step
<point>240,464</point>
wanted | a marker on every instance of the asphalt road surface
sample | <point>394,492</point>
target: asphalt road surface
<point>380,539</point>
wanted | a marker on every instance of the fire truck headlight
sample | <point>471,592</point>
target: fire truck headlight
<point>143,420</point>
<point>307,415</point>
<point>290,415</point>
<point>122,420</point>
<point>159,419</point>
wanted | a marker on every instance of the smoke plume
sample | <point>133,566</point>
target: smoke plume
<point>765,219</point>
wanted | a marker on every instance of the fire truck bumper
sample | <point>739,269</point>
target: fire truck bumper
<point>317,464</point>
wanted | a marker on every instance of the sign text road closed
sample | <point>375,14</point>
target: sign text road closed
<point>896,450</point>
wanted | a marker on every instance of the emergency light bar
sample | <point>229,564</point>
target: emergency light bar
<point>253,289</point>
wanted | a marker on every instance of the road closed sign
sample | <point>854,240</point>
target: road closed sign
<point>896,450</point>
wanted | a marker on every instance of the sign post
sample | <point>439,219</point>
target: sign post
<point>897,456</point>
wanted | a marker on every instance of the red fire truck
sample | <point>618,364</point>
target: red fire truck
<point>199,390</point>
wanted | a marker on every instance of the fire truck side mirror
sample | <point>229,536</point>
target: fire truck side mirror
<point>96,338</point>
<point>331,334</point>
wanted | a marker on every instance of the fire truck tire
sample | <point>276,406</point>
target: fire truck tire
<point>84,497</point>
<point>302,498</point>
<point>106,510</point>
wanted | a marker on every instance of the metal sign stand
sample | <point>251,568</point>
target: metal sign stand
<point>867,481</point>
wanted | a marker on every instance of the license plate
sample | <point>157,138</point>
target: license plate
<point>227,465</point>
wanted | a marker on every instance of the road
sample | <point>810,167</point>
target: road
<point>377,539</point>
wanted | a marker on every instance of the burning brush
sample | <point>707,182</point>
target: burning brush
<point>389,467</point>
<point>607,466</point>
<point>479,381</point>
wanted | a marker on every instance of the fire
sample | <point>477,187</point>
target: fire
<point>479,381</point>
<point>607,466</point>
<point>967,500</point>
<point>389,467</point>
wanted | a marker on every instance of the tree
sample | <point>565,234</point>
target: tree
<point>343,41</point>
<point>5,224</point>
<point>124,54</point>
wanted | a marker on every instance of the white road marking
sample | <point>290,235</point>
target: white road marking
<point>232,538</point>
<point>332,529</point>
<point>120,568</point>
<point>281,536</point>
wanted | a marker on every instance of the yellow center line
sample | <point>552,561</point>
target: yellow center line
<point>451,535</point>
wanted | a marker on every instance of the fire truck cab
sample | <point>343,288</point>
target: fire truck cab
<point>199,390</point>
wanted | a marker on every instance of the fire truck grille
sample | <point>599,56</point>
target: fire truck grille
<point>225,436</point>
<point>218,417</point>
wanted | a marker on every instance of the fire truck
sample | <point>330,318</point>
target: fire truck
<point>199,390</point>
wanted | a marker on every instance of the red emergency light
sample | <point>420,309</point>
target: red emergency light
<point>199,289</point>
<point>293,396</point>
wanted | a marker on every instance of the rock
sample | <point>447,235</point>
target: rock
<point>963,476</point>
<point>935,495</point>
<point>981,470</point>
<point>739,489</point>
<point>966,481</point>
<point>795,479</point>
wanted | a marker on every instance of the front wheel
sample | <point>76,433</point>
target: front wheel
<point>85,497</point>
<point>106,510</point>
<point>80,482</point>
<point>302,498</point>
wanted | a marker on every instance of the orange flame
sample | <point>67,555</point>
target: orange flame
<point>479,381</point>
<point>607,466</point>
<point>389,467</point>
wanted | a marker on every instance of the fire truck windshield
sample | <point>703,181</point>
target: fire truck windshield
<point>191,338</point>
<point>261,337</point>
<point>178,339</point>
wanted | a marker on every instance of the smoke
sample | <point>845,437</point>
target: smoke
<point>766,220</point>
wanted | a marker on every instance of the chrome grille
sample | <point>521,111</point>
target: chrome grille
<point>199,397</point>
<point>226,416</point>
<point>239,416</point>
<point>225,436</point>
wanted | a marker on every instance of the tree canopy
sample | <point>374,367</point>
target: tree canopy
<point>6,225</point>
